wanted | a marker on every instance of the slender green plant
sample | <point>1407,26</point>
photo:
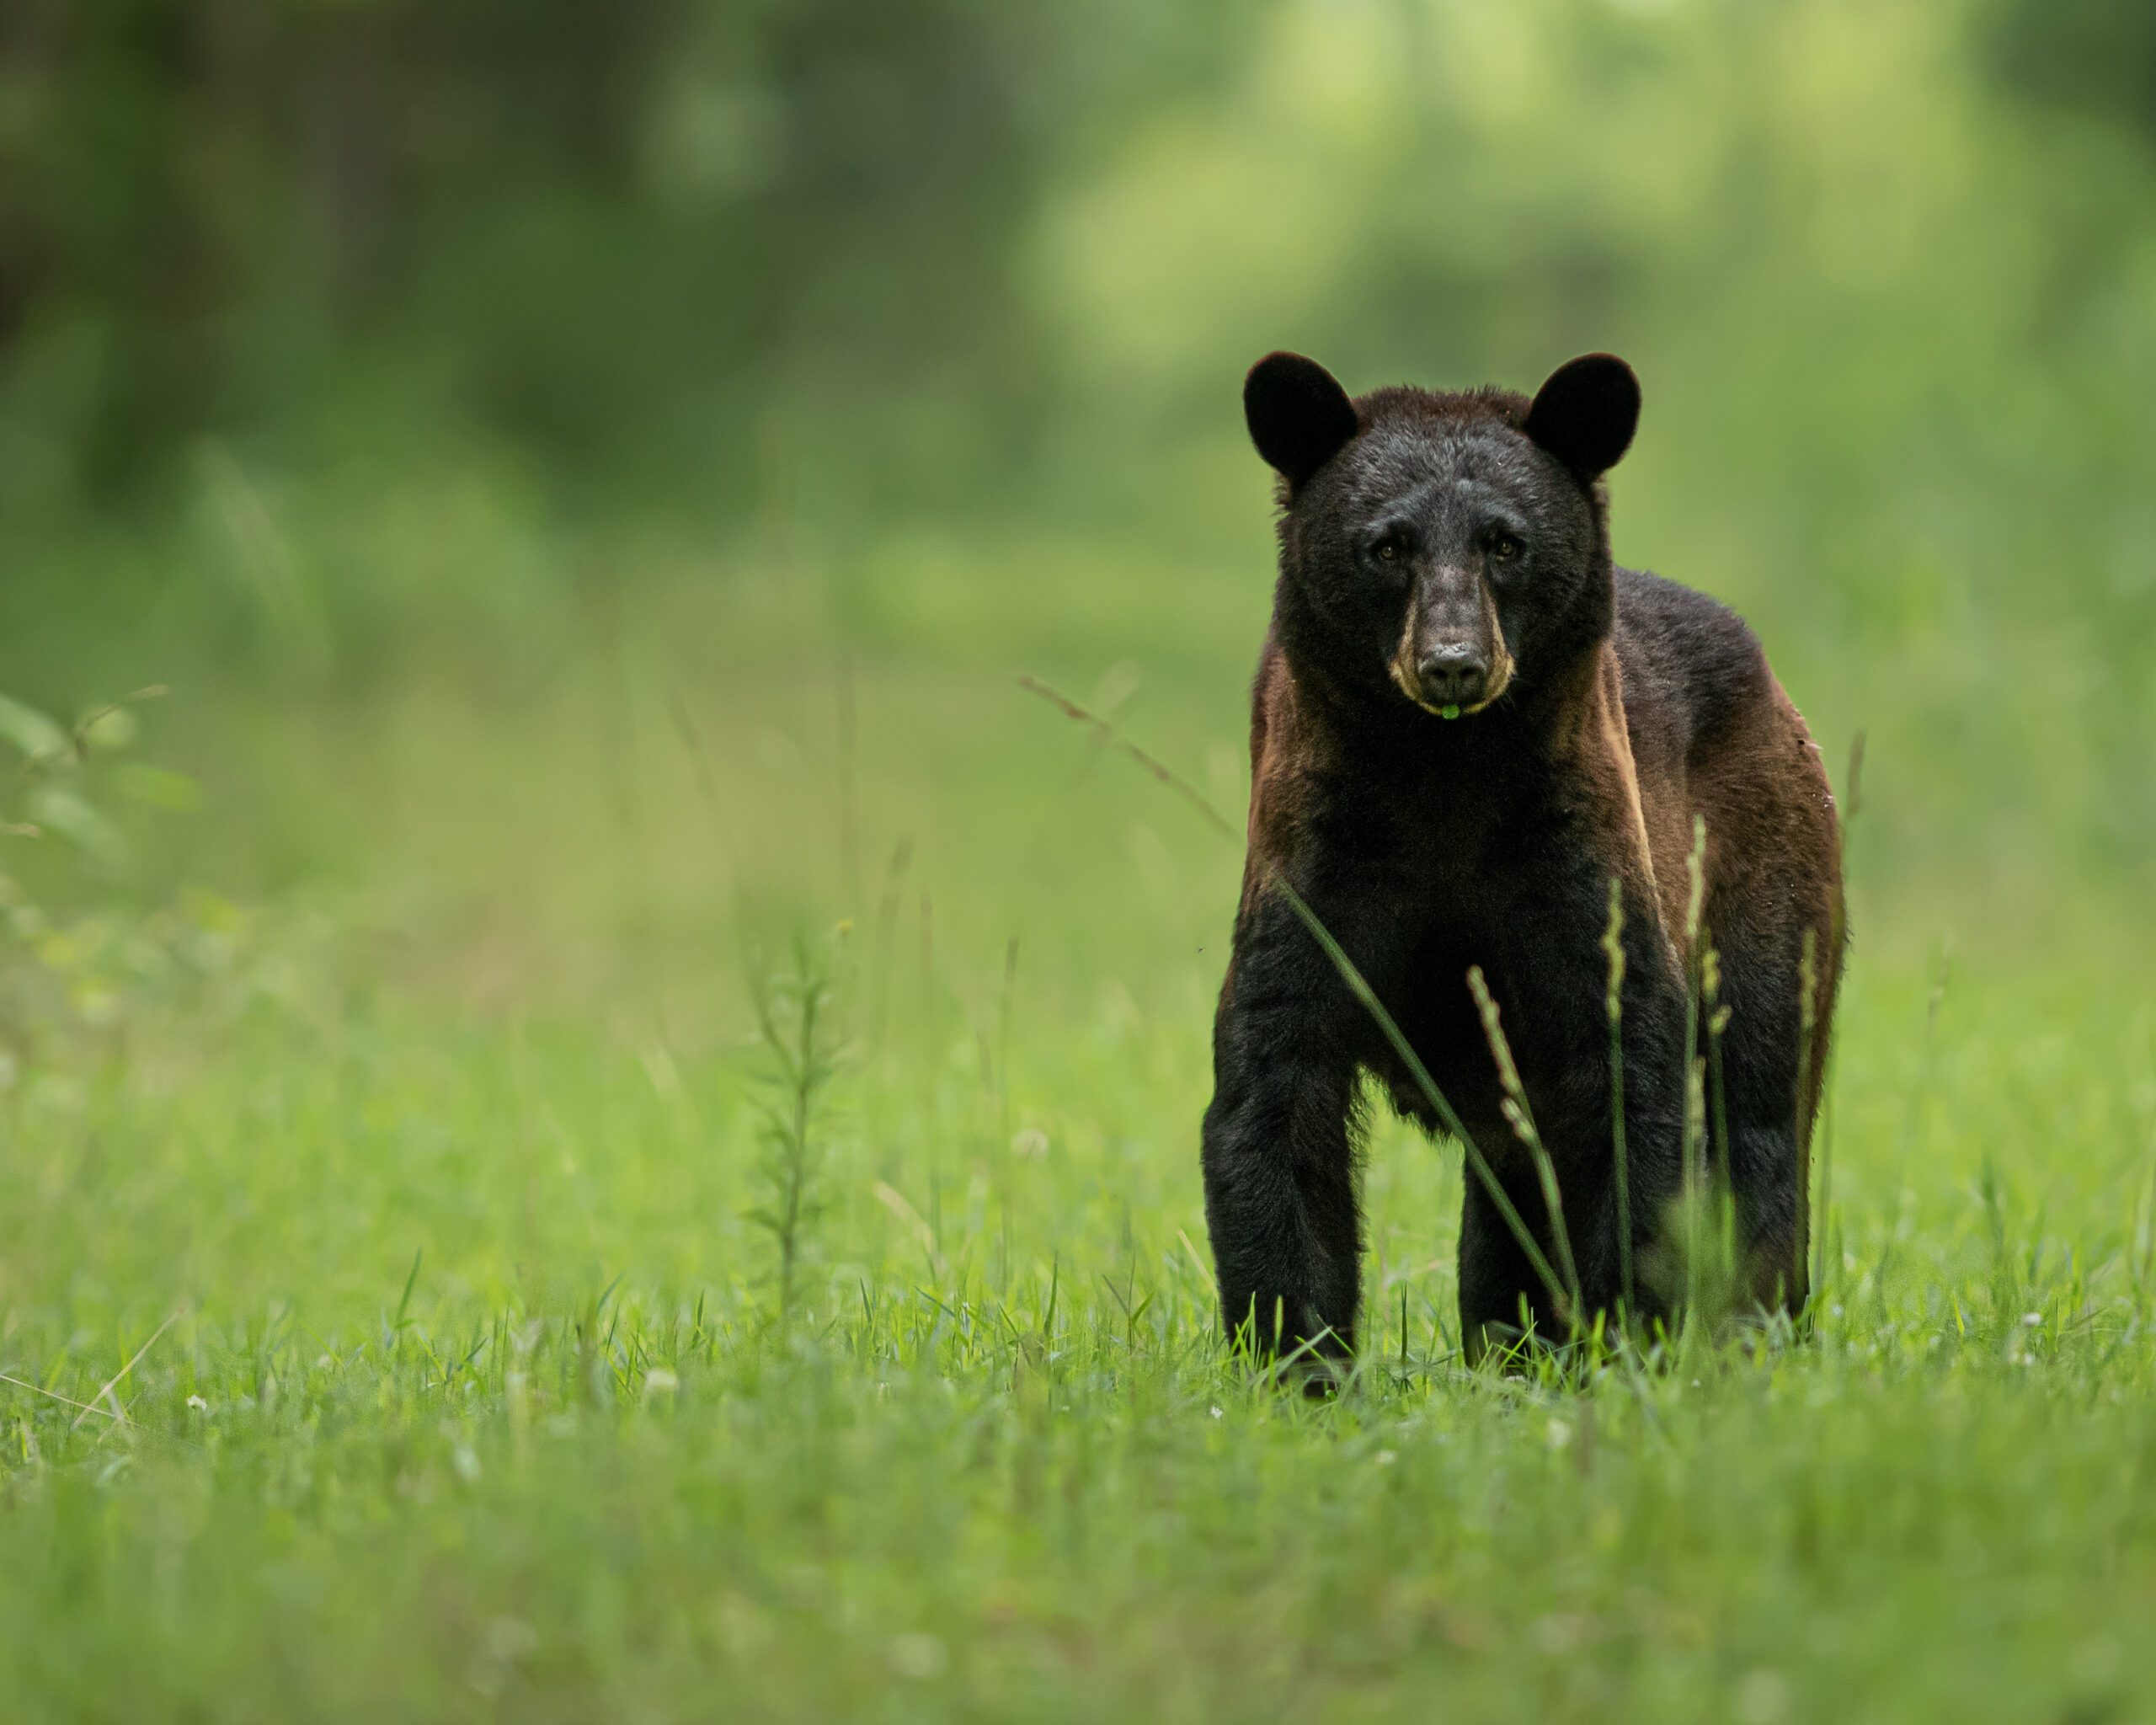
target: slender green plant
<point>1808,1016</point>
<point>1852,805</point>
<point>1694,1130</point>
<point>1723,1194</point>
<point>797,1030</point>
<point>2145,1239</point>
<point>1521,1118</point>
<point>1613,944</point>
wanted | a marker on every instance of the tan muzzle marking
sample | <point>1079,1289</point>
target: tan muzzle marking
<point>1402,665</point>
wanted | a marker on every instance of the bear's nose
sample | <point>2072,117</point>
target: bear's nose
<point>1452,675</point>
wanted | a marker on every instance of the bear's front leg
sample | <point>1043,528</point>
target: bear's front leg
<point>1550,974</point>
<point>1619,1229</point>
<point>1278,1156</point>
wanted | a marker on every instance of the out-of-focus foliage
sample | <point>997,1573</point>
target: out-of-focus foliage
<point>456,371</point>
<point>2092,55</point>
<point>76,984</point>
<point>586,470</point>
<point>615,231</point>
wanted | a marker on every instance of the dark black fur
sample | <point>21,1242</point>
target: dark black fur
<point>1421,533</point>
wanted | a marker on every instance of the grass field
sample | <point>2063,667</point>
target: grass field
<point>520,529</point>
<point>401,1317</point>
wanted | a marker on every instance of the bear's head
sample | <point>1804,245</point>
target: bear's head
<point>1450,545</point>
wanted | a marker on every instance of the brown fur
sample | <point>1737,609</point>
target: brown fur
<point>1434,548</point>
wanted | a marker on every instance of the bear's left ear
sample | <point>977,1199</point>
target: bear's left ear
<point>1585,414</point>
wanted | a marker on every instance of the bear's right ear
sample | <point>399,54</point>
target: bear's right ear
<point>1299,415</point>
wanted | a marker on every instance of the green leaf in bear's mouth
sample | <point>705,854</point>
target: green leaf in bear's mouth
<point>1448,712</point>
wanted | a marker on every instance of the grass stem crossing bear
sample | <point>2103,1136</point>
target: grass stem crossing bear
<point>1467,724</point>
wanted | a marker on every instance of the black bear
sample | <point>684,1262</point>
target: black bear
<point>1467,722</point>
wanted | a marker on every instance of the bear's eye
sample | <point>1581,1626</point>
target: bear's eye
<point>1504,547</point>
<point>1388,549</point>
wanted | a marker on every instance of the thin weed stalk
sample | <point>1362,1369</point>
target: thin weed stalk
<point>849,753</point>
<point>1005,1006</point>
<point>1991,1193</point>
<point>1695,868</point>
<point>1521,1118</point>
<point>1613,944</point>
<point>793,1022</point>
<point>1838,930</point>
<point>1724,1195</point>
<point>1450,1120</point>
<point>1807,1018</point>
<point>2144,1238</point>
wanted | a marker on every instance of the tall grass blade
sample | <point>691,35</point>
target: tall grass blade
<point>1613,944</point>
<point>1852,805</point>
<point>1521,1118</point>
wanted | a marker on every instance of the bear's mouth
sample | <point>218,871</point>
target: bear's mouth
<point>1499,679</point>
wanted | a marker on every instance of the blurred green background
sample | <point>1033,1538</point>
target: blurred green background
<point>587,471</point>
<point>586,475</point>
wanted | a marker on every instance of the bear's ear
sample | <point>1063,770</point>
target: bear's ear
<point>1298,413</point>
<point>1586,413</point>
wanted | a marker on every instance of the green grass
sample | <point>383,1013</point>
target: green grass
<point>390,1264</point>
<point>471,1398</point>
<point>411,1307</point>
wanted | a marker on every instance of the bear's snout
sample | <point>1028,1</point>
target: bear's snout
<point>1455,674</point>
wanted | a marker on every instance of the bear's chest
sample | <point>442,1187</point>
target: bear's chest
<point>1442,879</point>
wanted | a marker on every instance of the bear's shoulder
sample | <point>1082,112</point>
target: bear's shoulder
<point>1685,658</point>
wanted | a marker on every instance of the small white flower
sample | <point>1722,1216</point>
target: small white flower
<point>1385,1458</point>
<point>198,1404</point>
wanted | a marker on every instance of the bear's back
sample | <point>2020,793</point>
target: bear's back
<point>1693,671</point>
<point>1713,733</point>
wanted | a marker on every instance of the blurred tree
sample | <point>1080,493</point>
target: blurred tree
<point>613,229</point>
<point>2094,55</point>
